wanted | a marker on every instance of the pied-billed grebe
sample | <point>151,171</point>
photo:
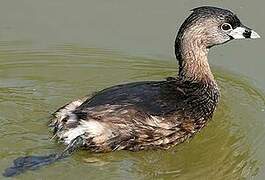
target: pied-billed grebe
<point>152,114</point>
<point>156,114</point>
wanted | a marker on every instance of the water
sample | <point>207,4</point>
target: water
<point>53,52</point>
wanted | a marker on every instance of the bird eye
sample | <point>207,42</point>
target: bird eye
<point>226,27</point>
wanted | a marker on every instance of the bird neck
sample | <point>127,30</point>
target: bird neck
<point>191,52</point>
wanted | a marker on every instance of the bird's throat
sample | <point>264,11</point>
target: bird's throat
<point>194,64</point>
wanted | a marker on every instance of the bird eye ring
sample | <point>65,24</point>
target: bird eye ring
<point>226,27</point>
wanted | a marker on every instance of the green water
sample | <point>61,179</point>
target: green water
<point>53,52</point>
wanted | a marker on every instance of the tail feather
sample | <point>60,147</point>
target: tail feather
<point>64,119</point>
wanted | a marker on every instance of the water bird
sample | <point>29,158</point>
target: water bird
<point>149,114</point>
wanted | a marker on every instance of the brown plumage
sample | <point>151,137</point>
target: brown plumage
<point>156,114</point>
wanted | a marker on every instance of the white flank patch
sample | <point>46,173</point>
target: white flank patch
<point>91,127</point>
<point>68,109</point>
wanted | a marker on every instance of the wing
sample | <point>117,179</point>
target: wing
<point>153,97</point>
